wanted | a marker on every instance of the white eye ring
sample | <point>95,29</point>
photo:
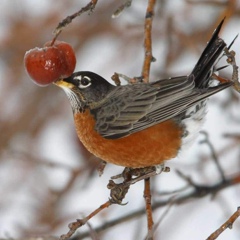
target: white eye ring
<point>84,82</point>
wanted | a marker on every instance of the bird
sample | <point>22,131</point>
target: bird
<point>144,124</point>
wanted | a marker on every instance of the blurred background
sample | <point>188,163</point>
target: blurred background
<point>47,178</point>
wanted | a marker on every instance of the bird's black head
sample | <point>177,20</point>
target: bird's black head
<point>84,89</point>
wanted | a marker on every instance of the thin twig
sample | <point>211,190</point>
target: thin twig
<point>148,206</point>
<point>206,2</point>
<point>66,21</point>
<point>156,225</point>
<point>116,78</point>
<point>213,153</point>
<point>148,40</point>
<point>227,224</point>
<point>92,232</point>
<point>80,222</point>
<point>231,60</point>
<point>121,8</point>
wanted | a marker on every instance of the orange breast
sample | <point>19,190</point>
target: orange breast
<point>149,147</point>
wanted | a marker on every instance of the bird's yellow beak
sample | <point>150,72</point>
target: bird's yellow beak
<point>63,84</point>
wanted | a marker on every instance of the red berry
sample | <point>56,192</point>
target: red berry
<point>43,64</point>
<point>50,63</point>
<point>67,55</point>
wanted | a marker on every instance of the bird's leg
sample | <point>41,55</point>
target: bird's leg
<point>140,173</point>
<point>143,173</point>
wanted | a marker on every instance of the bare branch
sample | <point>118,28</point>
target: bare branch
<point>148,40</point>
<point>148,206</point>
<point>227,224</point>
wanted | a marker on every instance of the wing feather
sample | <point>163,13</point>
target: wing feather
<point>133,107</point>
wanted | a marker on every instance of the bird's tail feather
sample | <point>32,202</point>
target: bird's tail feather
<point>203,70</point>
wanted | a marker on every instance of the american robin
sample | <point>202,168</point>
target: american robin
<point>143,124</point>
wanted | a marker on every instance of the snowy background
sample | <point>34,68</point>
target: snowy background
<point>47,179</point>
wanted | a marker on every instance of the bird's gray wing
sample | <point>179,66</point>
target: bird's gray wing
<point>132,108</point>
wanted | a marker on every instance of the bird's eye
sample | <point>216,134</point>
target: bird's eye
<point>84,82</point>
